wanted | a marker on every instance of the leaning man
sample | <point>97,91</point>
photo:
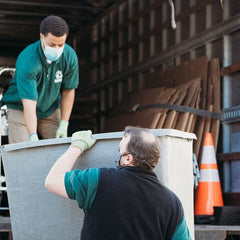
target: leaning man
<point>40,97</point>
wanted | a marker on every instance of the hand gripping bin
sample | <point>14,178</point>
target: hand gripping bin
<point>38,214</point>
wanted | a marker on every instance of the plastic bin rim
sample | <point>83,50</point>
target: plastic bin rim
<point>98,136</point>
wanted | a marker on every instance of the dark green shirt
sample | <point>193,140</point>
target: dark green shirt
<point>37,80</point>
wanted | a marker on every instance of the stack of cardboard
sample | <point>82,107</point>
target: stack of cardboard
<point>194,85</point>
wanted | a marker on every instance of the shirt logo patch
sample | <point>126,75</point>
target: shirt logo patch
<point>58,76</point>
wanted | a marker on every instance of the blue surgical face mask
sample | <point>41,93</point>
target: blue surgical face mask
<point>52,53</point>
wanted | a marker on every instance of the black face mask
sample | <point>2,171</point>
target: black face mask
<point>118,162</point>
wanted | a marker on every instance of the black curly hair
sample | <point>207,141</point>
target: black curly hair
<point>55,25</point>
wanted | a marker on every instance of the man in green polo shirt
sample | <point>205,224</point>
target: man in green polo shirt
<point>41,95</point>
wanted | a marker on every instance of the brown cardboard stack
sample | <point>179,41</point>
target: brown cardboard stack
<point>194,84</point>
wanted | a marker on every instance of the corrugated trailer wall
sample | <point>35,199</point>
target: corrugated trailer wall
<point>135,38</point>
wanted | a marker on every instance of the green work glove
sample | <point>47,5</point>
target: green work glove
<point>33,137</point>
<point>82,140</point>
<point>62,129</point>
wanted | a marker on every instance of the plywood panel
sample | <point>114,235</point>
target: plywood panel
<point>189,101</point>
<point>143,118</point>
<point>161,120</point>
<point>214,70</point>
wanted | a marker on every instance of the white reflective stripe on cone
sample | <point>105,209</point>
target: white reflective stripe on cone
<point>209,175</point>
<point>208,155</point>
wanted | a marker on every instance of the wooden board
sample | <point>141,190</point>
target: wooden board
<point>141,98</point>
<point>180,74</point>
<point>214,69</point>
<point>144,118</point>
<point>193,123</point>
<point>199,132</point>
<point>161,120</point>
<point>172,114</point>
<point>189,101</point>
<point>163,116</point>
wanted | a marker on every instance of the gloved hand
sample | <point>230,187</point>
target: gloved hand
<point>62,129</point>
<point>33,137</point>
<point>82,140</point>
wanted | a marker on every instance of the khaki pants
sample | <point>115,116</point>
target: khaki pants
<point>17,131</point>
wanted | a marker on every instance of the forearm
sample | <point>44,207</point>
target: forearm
<point>30,117</point>
<point>55,178</point>
<point>67,101</point>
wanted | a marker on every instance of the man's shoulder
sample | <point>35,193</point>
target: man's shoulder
<point>69,53</point>
<point>29,50</point>
<point>108,170</point>
<point>169,192</point>
<point>69,49</point>
<point>29,56</point>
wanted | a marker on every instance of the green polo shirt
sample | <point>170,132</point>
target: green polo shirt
<point>37,80</point>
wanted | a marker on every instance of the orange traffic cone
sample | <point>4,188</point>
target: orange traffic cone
<point>209,191</point>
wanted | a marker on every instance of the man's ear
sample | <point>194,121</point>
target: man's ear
<point>129,159</point>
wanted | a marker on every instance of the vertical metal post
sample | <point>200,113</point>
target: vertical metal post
<point>227,60</point>
<point>164,31</point>
<point>178,30</point>
<point>209,25</point>
<point>192,28</point>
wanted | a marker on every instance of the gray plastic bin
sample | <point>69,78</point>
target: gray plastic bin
<point>38,214</point>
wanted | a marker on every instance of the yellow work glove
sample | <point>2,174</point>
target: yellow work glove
<point>62,129</point>
<point>33,137</point>
<point>82,140</point>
